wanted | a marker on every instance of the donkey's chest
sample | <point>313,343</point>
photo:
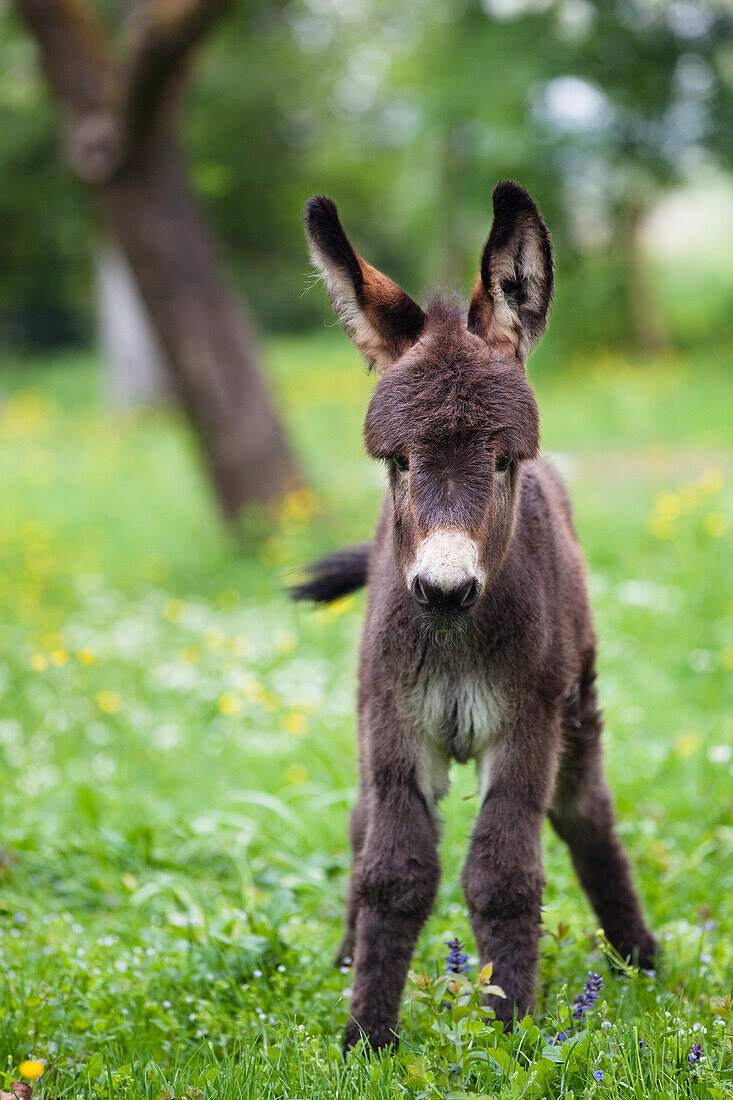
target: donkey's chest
<point>456,716</point>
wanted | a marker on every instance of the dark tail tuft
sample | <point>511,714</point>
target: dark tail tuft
<point>334,576</point>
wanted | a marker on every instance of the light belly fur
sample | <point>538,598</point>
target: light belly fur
<point>455,720</point>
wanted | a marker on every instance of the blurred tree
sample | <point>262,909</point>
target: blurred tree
<point>408,113</point>
<point>121,117</point>
<point>639,102</point>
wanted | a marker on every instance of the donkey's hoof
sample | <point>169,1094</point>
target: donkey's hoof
<point>648,954</point>
<point>643,951</point>
<point>376,1038</point>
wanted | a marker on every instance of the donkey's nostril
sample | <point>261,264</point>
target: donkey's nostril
<point>435,597</point>
<point>419,594</point>
<point>470,593</point>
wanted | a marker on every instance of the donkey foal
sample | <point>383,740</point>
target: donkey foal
<point>478,642</point>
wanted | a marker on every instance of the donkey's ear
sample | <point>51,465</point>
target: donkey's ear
<point>379,317</point>
<point>513,292</point>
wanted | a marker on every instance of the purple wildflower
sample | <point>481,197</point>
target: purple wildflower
<point>598,1074</point>
<point>590,994</point>
<point>582,1003</point>
<point>457,962</point>
<point>695,1054</point>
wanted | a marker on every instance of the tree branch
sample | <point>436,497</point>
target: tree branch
<point>161,34</point>
<point>74,52</point>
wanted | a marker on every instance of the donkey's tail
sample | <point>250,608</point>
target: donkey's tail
<point>334,576</point>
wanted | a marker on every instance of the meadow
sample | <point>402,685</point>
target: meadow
<point>177,753</point>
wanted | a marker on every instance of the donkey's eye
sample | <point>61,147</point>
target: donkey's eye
<point>402,462</point>
<point>503,462</point>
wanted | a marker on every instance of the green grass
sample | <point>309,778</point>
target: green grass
<point>177,750</point>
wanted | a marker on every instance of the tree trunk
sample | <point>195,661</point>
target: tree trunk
<point>122,115</point>
<point>157,223</point>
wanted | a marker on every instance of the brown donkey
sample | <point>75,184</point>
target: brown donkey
<point>478,642</point>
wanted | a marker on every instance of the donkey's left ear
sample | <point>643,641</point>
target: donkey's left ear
<point>513,292</point>
<point>379,317</point>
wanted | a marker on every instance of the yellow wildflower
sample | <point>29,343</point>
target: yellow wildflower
<point>31,1069</point>
<point>269,701</point>
<point>296,773</point>
<point>190,655</point>
<point>298,505</point>
<point>59,657</point>
<point>687,744</point>
<point>109,702</point>
<point>39,662</point>
<point>249,686</point>
<point>716,524</point>
<point>229,703</point>
<point>86,657</point>
<point>25,411</point>
<point>295,722</point>
<point>668,506</point>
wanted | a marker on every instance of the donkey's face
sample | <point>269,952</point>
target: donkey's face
<point>453,415</point>
<point>453,420</point>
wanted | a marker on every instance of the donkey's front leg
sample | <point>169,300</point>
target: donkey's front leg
<point>503,876</point>
<point>395,881</point>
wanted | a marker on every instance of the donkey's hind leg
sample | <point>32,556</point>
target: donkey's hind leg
<point>582,815</point>
<point>357,830</point>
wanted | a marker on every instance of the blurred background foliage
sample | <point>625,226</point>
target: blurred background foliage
<point>408,113</point>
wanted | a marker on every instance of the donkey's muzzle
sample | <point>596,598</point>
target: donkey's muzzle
<point>432,597</point>
<point>446,577</point>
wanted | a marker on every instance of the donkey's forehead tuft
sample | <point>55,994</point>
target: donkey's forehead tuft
<point>450,382</point>
<point>446,339</point>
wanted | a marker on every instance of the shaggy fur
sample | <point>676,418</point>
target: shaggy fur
<point>495,660</point>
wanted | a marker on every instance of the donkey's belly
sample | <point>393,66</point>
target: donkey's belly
<point>456,719</point>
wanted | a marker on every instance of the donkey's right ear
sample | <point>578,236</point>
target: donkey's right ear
<point>379,317</point>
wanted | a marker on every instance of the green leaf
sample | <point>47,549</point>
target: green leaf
<point>419,1072</point>
<point>529,1028</point>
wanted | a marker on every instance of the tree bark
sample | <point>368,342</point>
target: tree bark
<point>159,225</point>
<point>122,121</point>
